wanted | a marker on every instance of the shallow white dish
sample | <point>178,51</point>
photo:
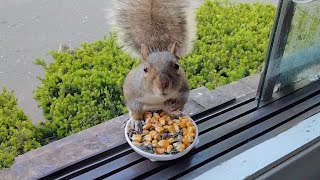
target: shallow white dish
<point>155,157</point>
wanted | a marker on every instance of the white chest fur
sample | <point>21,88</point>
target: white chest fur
<point>155,101</point>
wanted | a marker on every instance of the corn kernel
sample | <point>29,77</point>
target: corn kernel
<point>148,138</point>
<point>155,143</point>
<point>136,137</point>
<point>167,118</point>
<point>148,120</point>
<point>159,129</point>
<point>148,114</point>
<point>162,113</point>
<point>185,140</point>
<point>182,125</point>
<point>153,133</point>
<point>159,151</point>
<point>162,121</point>
<point>184,131</point>
<point>190,130</point>
<point>189,124</point>
<point>154,120</point>
<point>136,143</point>
<point>169,148</point>
<point>176,127</point>
<point>171,129</point>
<point>184,120</point>
<point>170,122</point>
<point>176,121</point>
<point>156,115</point>
<point>181,147</point>
<point>189,137</point>
<point>157,137</point>
<point>194,128</point>
<point>164,143</point>
<point>147,126</point>
<point>145,132</point>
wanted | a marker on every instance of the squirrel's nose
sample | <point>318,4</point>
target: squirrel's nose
<point>164,81</point>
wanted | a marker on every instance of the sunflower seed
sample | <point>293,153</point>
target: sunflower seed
<point>174,151</point>
<point>143,123</point>
<point>140,127</point>
<point>165,135</point>
<point>130,134</point>
<point>143,147</point>
<point>175,135</point>
<point>179,138</point>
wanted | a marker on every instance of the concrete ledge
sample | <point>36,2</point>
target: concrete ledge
<point>110,133</point>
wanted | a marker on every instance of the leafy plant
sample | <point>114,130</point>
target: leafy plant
<point>83,89</point>
<point>232,42</point>
<point>17,134</point>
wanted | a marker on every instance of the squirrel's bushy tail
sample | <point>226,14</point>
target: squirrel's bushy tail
<point>158,24</point>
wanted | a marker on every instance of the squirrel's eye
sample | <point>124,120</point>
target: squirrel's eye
<point>176,66</point>
<point>145,70</point>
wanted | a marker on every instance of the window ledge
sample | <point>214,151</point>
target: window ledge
<point>108,134</point>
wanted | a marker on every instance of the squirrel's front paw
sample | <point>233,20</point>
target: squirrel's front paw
<point>136,125</point>
<point>172,104</point>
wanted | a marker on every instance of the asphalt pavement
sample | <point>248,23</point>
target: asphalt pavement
<point>31,28</point>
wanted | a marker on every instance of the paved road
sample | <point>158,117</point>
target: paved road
<point>30,28</point>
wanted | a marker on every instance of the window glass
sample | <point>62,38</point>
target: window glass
<point>294,59</point>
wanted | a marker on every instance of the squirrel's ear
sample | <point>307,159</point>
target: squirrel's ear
<point>174,48</point>
<point>144,52</point>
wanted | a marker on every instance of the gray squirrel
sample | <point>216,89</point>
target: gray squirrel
<point>65,48</point>
<point>160,32</point>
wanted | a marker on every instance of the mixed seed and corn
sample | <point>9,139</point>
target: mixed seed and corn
<point>161,133</point>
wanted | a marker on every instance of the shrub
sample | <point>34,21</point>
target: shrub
<point>232,42</point>
<point>83,89</point>
<point>17,134</point>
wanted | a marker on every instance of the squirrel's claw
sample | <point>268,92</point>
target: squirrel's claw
<point>136,125</point>
<point>172,105</point>
<point>124,123</point>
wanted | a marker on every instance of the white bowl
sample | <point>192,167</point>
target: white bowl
<point>155,157</point>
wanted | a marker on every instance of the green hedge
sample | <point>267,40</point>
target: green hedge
<point>17,134</point>
<point>83,89</point>
<point>232,42</point>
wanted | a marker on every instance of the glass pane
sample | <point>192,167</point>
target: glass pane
<point>294,60</point>
<point>301,60</point>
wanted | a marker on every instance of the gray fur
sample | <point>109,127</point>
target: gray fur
<point>65,48</point>
<point>156,23</point>
<point>156,82</point>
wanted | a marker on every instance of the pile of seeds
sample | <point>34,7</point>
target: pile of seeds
<point>162,133</point>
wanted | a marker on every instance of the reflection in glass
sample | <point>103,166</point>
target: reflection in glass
<point>300,63</point>
<point>294,53</point>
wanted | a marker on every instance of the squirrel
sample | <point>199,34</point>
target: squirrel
<point>160,32</point>
<point>65,48</point>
